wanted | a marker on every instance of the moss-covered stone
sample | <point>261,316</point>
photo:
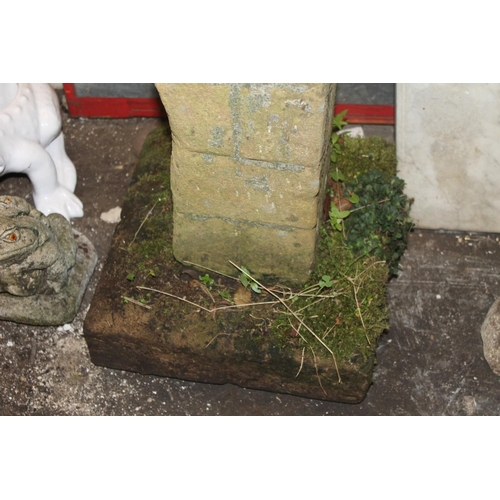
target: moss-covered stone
<point>143,330</point>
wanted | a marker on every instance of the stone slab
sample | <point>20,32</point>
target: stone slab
<point>276,122</point>
<point>245,190</point>
<point>448,154</point>
<point>174,339</point>
<point>265,249</point>
<point>59,308</point>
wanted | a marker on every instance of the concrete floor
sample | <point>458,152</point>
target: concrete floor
<point>429,363</point>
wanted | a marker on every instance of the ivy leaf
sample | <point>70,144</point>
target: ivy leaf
<point>335,223</point>
<point>337,176</point>
<point>338,121</point>
<point>335,213</point>
<point>244,279</point>
<point>247,280</point>
<point>354,198</point>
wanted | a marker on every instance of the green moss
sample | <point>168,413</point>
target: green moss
<point>381,225</point>
<point>350,321</point>
<point>149,200</point>
<point>360,155</point>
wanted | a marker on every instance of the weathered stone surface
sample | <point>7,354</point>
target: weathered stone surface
<point>36,252</point>
<point>220,186</point>
<point>275,122</point>
<point>250,155</point>
<point>44,269</point>
<point>490,333</point>
<point>200,116</point>
<point>286,122</point>
<point>263,249</point>
<point>174,339</point>
<point>57,308</point>
<point>448,160</point>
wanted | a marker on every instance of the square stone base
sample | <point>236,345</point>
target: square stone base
<point>144,331</point>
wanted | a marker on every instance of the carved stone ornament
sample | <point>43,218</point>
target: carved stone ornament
<point>44,265</point>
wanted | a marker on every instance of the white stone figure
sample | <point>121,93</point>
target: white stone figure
<point>32,143</point>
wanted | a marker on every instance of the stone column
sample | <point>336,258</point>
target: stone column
<point>249,164</point>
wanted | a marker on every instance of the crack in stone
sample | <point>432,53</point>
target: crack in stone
<point>202,218</point>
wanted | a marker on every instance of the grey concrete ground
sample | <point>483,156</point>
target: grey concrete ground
<point>429,363</point>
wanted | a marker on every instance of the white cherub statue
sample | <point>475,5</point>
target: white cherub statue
<point>32,143</point>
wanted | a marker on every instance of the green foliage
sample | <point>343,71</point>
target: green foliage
<point>381,224</point>
<point>335,148</point>
<point>226,295</point>
<point>336,217</point>
<point>357,251</point>
<point>131,276</point>
<point>354,198</point>
<point>337,176</point>
<point>207,281</point>
<point>355,315</point>
<point>325,281</point>
<point>338,120</point>
<point>359,155</point>
<point>338,123</point>
<point>246,280</point>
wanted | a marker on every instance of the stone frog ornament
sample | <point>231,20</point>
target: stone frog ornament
<point>32,143</point>
<point>37,252</point>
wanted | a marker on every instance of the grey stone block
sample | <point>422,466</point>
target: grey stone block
<point>490,333</point>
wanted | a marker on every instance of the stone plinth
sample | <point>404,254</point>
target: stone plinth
<point>248,174</point>
<point>448,154</point>
<point>150,332</point>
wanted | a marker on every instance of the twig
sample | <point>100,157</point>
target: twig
<point>301,362</point>
<point>142,223</point>
<point>317,372</point>
<point>211,270</point>
<point>359,309</point>
<point>236,306</point>
<point>136,302</point>
<point>218,335</point>
<point>215,309</point>
<point>328,331</point>
<point>175,297</point>
<point>370,204</point>
<point>205,289</point>
<point>312,303</point>
<point>295,315</point>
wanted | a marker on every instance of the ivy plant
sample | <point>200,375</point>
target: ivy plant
<point>381,224</point>
<point>338,123</point>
